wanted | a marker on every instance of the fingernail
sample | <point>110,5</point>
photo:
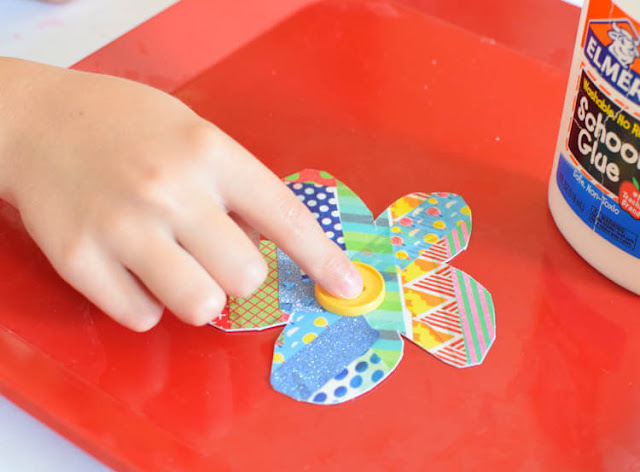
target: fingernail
<point>351,283</point>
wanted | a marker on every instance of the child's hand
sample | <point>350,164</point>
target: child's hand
<point>127,192</point>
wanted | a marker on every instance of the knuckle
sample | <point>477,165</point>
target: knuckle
<point>202,144</point>
<point>70,259</point>
<point>155,189</point>
<point>160,183</point>
<point>200,136</point>
<point>332,264</point>
<point>293,216</point>
<point>115,225</point>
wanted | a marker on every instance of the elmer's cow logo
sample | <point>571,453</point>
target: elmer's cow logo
<point>613,47</point>
<point>625,44</point>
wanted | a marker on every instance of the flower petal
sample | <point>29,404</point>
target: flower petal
<point>322,202</point>
<point>296,288</point>
<point>315,176</point>
<point>262,309</point>
<point>452,315</point>
<point>357,223</point>
<point>363,373</point>
<point>309,358</point>
<point>303,329</point>
<point>434,226</point>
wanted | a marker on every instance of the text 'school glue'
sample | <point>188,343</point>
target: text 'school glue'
<point>594,190</point>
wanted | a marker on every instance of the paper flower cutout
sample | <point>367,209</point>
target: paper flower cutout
<point>324,358</point>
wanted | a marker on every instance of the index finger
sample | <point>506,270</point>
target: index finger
<point>254,192</point>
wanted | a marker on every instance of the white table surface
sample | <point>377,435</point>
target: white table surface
<point>58,35</point>
<point>65,33</point>
<point>28,445</point>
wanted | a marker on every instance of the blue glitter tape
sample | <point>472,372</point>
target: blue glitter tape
<point>296,293</point>
<point>323,359</point>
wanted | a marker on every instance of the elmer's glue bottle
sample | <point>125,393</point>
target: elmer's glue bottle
<point>594,190</point>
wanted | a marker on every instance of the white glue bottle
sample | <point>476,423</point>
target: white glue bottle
<point>594,190</point>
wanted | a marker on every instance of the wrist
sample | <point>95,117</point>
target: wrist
<point>6,192</point>
<point>25,86</point>
<point>8,119</point>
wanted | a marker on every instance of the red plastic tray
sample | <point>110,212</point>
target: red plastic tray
<point>390,101</point>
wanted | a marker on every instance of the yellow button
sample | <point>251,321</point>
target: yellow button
<point>371,297</point>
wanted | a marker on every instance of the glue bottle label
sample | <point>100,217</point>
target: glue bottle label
<point>598,169</point>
